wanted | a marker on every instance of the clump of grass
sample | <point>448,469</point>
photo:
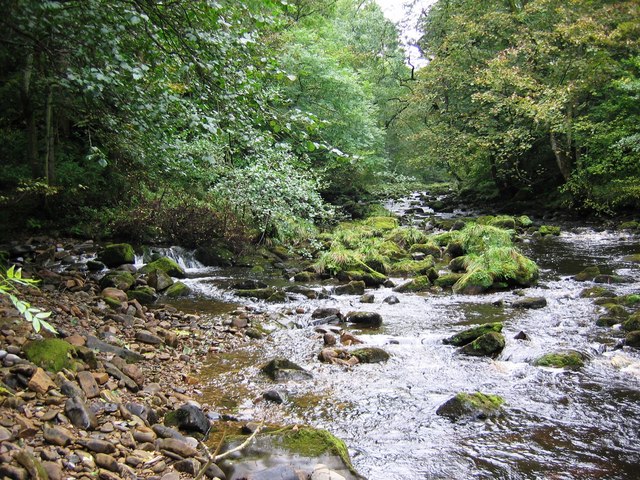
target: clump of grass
<point>477,238</point>
<point>404,237</point>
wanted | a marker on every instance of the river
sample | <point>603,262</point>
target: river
<point>557,424</point>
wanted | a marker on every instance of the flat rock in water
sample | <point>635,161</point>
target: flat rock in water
<point>530,303</point>
<point>324,312</point>
<point>366,319</point>
<point>282,369</point>
<point>470,334</point>
<point>471,406</point>
<point>391,300</point>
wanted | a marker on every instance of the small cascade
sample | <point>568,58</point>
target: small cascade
<point>183,257</point>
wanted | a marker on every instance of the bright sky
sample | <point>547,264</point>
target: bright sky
<point>406,13</point>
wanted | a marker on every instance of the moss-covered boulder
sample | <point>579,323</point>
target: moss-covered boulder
<point>597,292</point>
<point>282,369</point>
<point>351,288</point>
<point>568,359</point>
<point>370,355</point>
<point>159,280</point>
<point>371,278</point>
<point>524,221</point>
<point>546,230</point>
<point>178,289</point>
<point>611,279</point>
<point>52,354</point>
<point>488,345</point>
<point>470,334</point>
<point>632,323</point>
<point>632,339</point>
<point>418,284</point>
<point>144,294</point>
<point>117,254</point>
<point>117,279</point>
<point>447,280</point>
<point>458,264</point>
<point>473,283</point>
<point>504,221</point>
<point>412,267</point>
<point>630,225</point>
<point>615,310</point>
<point>166,265</point>
<point>426,248</point>
<point>474,406</point>
<point>215,255</point>
<point>588,273</point>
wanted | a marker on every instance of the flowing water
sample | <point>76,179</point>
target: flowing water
<point>557,424</point>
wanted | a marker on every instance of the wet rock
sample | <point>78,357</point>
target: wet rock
<point>88,384</point>
<point>40,382</point>
<point>108,462</point>
<point>322,472</point>
<point>597,292</point>
<point>329,339</point>
<point>632,339</point>
<point>355,287</point>
<point>588,273</point>
<point>530,303</point>
<point>189,418</point>
<point>145,412</point>
<point>324,312</point>
<point>79,414</point>
<point>632,323</point>
<point>144,294</point>
<point>190,466</point>
<point>366,319</point>
<point>391,300</point>
<point>282,370</point>
<point>521,336</point>
<point>272,295</point>
<point>367,298</point>
<point>71,389</point>
<point>418,284</point>
<point>370,355</point>
<point>114,294</point>
<point>568,359</point>
<point>176,446</point>
<point>115,372</point>
<point>469,335</point>
<point>117,254</point>
<point>489,345</point>
<point>117,279</point>
<point>57,435</point>
<point>249,284</point>
<point>274,396</point>
<point>471,406</point>
<point>54,470</point>
<point>167,432</point>
<point>178,289</point>
<point>609,279</point>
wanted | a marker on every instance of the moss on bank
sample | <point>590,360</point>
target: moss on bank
<point>52,354</point>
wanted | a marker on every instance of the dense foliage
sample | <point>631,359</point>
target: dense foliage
<point>522,96</point>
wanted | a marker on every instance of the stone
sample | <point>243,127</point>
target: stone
<point>176,446</point>
<point>143,294</point>
<point>171,476</point>
<point>159,280</point>
<point>54,470</point>
<point>521,336</point>
<point>31,464</point>
<point>128,355</point>
<point>88,384</point>
<point>370,355</point>
<point>190,466</point>
<point>178,289</point>
<point>40,382</point>
<point>133,371</point>
<point>98,446</point>
<point>117,373</point>
<point>322,472</point>
<point>274,396</point>
<point>76,340</point>
<point>117,254</point>
<point>57,435</point>
<point>5,434</point>
<point>367,298</point>
<point>71,389</point>
<point>355,287</point>
<point>282,369</point>
<point>79,414</point>
<point>324,312</point>
<point>143,411</point>
<point>188,418</point>
<point>166,265</point>
<point>470,334</point>
<point>471,406</point>
<point>144,434</point>
<point>365,319</point>
<point>114,294</point>
<point>632,339</point>
<point>107,461</point>
<point>13,473</point>
<point>329,339</point>
<point>391,300</point>
<point>147,337</point>
<point>167,432</point>
<point>588,273</point>
<point>489,345</point>
<point>567,359</point>
<point>609,279</point>
<point>530,303</point>
<point>117,279</point>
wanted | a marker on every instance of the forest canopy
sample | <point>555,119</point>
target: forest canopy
<point>190,120</point>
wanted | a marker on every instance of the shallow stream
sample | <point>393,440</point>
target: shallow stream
<point>558,424</point>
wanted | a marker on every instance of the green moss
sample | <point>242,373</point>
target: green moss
<point>469,335</point>
<point>113,303</point>
<point>471,405</point>
<point>117,254</point>
<point>632,225</point>
<point>473,283</point>
<point>569,360</point>
<point>635,258</point>
<point>545,230</point>
<point>616,310</point>
<point>632,299</point>
<point>144,295</point>
<point>178,289</point>
<point>165,264</point>
<point>404,237</point>
<point>503,221</point>
<point>311,442</point>
<point>117,279</point>
<point>447,280</point>
<point>524,221</point>
<point>445,238</point>
<point>489,344</point>
<point>632,323</point>
<point>382,223</point>
<point>418,284</point>
<point>482,401</point>
<point>596,292</point>
<point>588,273</point>
<point>370,355</point>
<point>426,248</point>
<point>476,239</point>
<point>412,267</point>
<point>52,354</point>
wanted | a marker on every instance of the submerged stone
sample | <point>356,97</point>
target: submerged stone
<point>471,406</point>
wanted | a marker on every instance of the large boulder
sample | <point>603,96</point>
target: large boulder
<point>117,254</point>
<point>567,359</point>
<point>166,265</point>
<point>144,294</point>
<point>352,288</point>
<point>370,355</point>
<point>365,319</point>
<point>530,303</point>
<point>488,345</point>
<point>159,280</point>
<point>117,279</point>
<point>471,406</point>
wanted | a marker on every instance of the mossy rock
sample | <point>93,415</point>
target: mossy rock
<point>382,223</point>
<point>355,287</point>
<point>473,283</point>
<point>159,280</point>
<point>616,310</point>
<point>635,258</point>
<point>631,225</point>
<point>370,355</point>
<point>117,254</point>
<point>611,279</point>
<point>570,359</point>
<point>215,255</point>
<point>117,279</point>
<point>113,303</point>
<point>370,278</point>
<point>605,321</point>
<point>477,239</point>
<point>632,339</point>
<point>178,289</point>
<point>524,221</point>
<point>426,248</point>
<point>144,295</point>
<point>52,354</point>
<point>418,284</point>
<point>471,334</point>
<point>597,292</point>
<point>632,323</point>
<point>471,406</point>
<point>458,264</point>
<point>488,345</point>
<point>166,265</point>
<point>588,273</point>
<point>631,299</point>
<point>445,238</point>
<point>447,280</point>
<point>546,230</point>
<point>412,267</point>
<point>304,277</point>
<point>282,369</point>
<point>504,221</point>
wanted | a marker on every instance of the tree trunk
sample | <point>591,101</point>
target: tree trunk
<point>563,158</point>
<point>30,118</point>
<point>49,159</point>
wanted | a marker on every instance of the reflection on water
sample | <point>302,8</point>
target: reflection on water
<point>558,424</point>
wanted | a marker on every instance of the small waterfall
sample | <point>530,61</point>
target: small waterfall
<point>183,257</point>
